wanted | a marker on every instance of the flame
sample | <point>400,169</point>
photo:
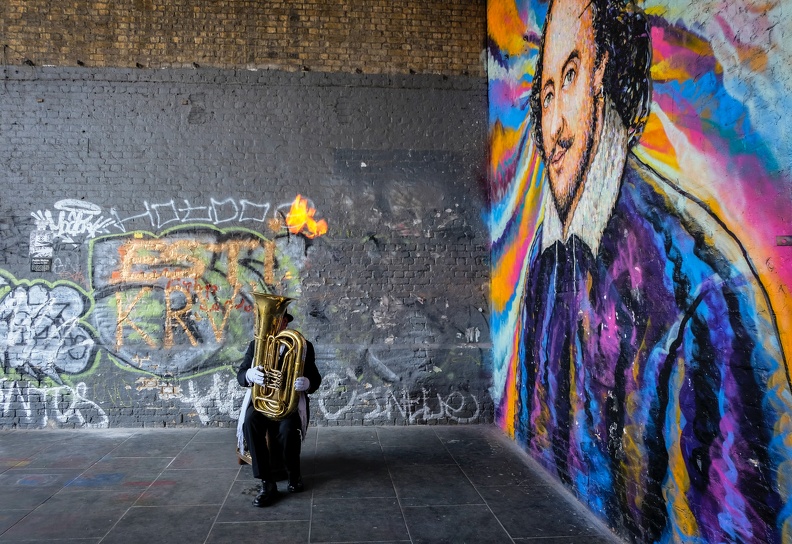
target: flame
<point>301,219</point>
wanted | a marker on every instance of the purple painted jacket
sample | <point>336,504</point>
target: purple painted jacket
<point>652,380</point>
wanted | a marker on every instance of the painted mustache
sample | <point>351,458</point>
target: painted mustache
<point>560,148</point>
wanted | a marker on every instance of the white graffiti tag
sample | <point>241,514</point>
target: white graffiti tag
<point>216,212</point>
<point>76,218</point>
<point>383,404</point>
<point>41,333</point>
<point>49,406</point>
<point>223,398</point>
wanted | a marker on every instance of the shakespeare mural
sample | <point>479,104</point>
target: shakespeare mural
<point>640,307</point>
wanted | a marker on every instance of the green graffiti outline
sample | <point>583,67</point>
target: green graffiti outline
<point>290,276</point>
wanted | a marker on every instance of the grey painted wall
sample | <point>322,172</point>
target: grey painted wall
<point>140,208</point>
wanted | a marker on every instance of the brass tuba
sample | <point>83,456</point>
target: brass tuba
<point>281,357</point>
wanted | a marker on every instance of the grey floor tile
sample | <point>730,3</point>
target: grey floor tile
<point>589,539</point>
<point>435,485</point>
<point>399,436</point>
<point>206,455</point>
<point>29,487</point>
<point>121,473</point>
<point>72,514</point>
<point>9,517</point>
<point>163,524</point>
<point>270,532</point>
<point>551,514</point>
<point>77,454</point>
<point>222,436</point>
<point>28,478</point>
<point>288,506</point>
<point>462,524</point>
<point>349,482</point>
<point>429,453</point>
<point>499,472</point>
<point>154,443</point>
<point>350,520</point>
<point>189,487</point>
<point>363,484</point>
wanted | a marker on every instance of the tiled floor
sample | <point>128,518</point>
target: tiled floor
<point>461,484</point>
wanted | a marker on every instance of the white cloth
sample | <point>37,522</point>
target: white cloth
<point>242,411</point>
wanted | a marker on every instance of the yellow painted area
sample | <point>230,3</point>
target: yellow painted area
<point>632,465</point>
<point>505,27</point>
<point>506,271</point>
<point>656,143</point>
<point>676,487</point>
<point>780,302</point>
<point>668,70</point>
<point>502,142</point>
<point>753,56</point>
<point>658,11</point>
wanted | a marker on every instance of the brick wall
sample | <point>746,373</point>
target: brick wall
<point>373,36</point>
<point>141,207</point>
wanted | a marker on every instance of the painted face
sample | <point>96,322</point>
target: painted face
<point>570,111</point>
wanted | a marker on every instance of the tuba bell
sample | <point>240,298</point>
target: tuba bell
<point>281,356</point>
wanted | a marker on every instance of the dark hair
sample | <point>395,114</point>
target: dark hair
<point>621,30</point>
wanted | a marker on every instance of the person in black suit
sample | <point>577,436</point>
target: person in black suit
<point>289,432</point>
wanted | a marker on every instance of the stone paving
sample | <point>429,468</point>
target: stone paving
<point>418,484</point>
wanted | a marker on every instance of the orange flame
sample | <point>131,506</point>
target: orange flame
<point>301,219</point>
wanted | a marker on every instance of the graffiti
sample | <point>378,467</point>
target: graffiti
<point>648,363</point>
<point>297,216</point>
<point>472,334</point>
<point>80,219</point>
<point>170,304</point>
<point>382,404</point>
<point>61,405</point>
<point>42,329</point>
<point>76,219</point>
<point>223,397</point>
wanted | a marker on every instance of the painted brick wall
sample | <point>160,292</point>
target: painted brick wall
<point>371,36</point>
<point>141,207</point>
<point>642,350</point>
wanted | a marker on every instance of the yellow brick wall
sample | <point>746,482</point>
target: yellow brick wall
<point>367,36</point>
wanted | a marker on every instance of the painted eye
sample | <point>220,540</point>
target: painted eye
<point>569,77</point>
<point>547,99</point>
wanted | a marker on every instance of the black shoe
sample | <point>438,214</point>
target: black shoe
<point>296,486</point>
<point>267,495</point>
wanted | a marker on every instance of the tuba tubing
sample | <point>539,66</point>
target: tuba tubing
<point>281,357</point>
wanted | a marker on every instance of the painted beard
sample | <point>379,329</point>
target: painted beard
<point>563,201</point>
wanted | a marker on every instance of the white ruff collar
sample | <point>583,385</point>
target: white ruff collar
<point>600,189</point>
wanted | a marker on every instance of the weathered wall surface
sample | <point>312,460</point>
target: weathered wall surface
<point>368,36</point>
<point>139,209</point>
<point>641,315</point>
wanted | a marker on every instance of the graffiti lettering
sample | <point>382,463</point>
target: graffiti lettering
<point>383,404</point>
<point>187,292</point>
<point>75,218</point>
<point>298,214</point>
<point>41,406</point>
<point>42,332</point>
<point>223,398</point>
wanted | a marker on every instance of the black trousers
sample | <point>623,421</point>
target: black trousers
<point>286,435</point>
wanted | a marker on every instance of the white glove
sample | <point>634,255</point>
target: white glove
<point>254,375</point>
<point>302,384</point>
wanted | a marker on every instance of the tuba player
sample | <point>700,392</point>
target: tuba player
<point>286,434</point>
